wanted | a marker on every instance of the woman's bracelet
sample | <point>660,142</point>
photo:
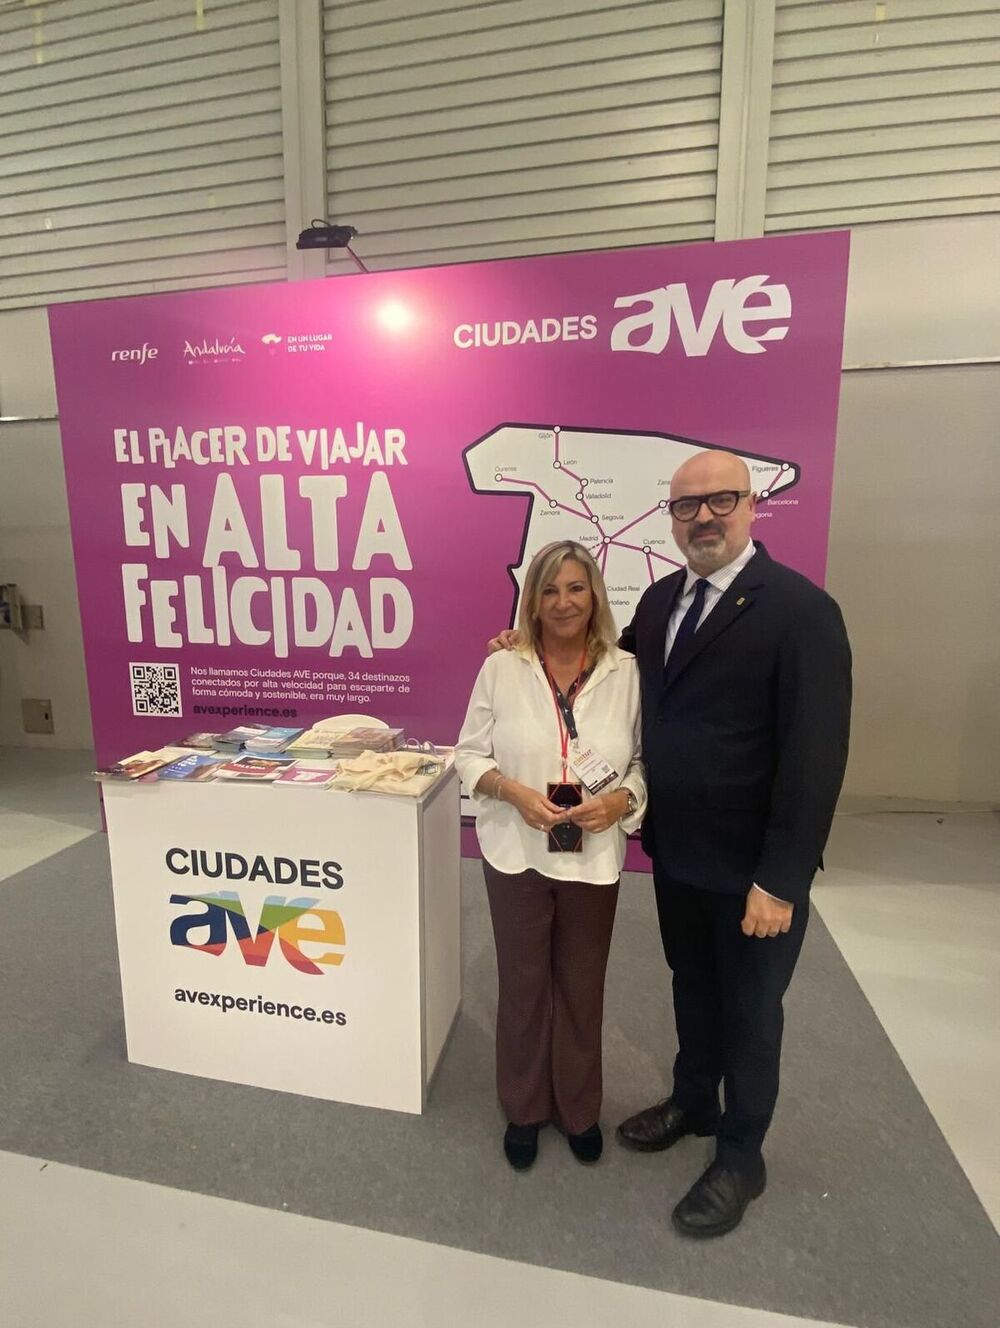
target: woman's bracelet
<point>498,786</point>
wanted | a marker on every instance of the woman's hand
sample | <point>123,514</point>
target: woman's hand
<point>533,807</point>
<point>600,813</point>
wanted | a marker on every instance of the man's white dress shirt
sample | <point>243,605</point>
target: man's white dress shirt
<point>718,583</point>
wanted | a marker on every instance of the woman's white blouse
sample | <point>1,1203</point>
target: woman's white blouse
<point>511,725</point>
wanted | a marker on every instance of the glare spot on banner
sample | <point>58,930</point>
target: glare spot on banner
<point>395,316</point>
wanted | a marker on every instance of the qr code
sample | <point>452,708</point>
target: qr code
<point>156,689</point>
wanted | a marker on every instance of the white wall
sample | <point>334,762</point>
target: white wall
<point>915,540</point>
<point>915,530</point>
<point>914,559</point>
<point>35,550</point>
<point>924,290</point>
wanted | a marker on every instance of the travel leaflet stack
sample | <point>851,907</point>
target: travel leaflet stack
<point>323,741</point>
<point>368,757</point>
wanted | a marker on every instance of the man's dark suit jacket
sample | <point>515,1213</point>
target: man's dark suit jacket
<point>745,736</point>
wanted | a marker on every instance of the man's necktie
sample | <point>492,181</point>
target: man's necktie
<point>689,622</point>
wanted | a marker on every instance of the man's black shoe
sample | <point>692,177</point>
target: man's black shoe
<point>520,1144</point>
<point>717,1200</point>
<point>661,1125</point>
<point>588,1146</point>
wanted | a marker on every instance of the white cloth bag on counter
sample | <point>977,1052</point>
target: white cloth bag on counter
<point>406,772</point>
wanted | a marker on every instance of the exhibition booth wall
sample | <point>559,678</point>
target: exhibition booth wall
<point>293,500</point>
<point>916,488</point>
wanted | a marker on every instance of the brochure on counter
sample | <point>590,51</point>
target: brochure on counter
<point>259,769</point>
<point>197,766</point>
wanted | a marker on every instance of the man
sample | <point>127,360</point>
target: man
<point>746,694</point>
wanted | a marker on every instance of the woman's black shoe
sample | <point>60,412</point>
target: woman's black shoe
<point>520,1144</point>
<point>587,1147</point>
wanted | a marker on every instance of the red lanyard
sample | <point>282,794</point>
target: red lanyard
<point>563,707</point>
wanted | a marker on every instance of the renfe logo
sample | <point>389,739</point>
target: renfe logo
<point>295,922</point>
<point>728,303</point>
<point>139,353</point>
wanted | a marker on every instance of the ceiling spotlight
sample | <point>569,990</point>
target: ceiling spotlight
<point>325,235</point>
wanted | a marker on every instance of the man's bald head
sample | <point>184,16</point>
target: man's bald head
<point>710,542</point>
<point>707,472</point>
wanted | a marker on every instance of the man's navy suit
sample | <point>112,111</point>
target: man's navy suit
<point>745,736</point>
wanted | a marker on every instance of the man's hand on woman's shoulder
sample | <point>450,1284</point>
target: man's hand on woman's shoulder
<point>508,639</point>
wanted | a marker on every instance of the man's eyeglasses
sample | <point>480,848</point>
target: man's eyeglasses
<point>719,504</point>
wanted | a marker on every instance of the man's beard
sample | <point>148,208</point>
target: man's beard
<point>707,556</point>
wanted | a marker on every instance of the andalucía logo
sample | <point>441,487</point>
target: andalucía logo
<point>295,922</point>
<point>213,351</point>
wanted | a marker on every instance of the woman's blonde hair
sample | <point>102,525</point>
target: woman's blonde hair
<point>602,633</point>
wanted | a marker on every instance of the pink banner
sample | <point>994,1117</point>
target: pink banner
<point>294,500</point>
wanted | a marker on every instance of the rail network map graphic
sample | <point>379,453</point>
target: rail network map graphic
<point>606,490</point>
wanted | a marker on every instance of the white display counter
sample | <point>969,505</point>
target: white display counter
<point>304,940</point>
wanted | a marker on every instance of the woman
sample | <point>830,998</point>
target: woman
<point>547,723</point>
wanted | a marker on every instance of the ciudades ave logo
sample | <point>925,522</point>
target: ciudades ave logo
<point>750,311</point>
<point>734,304</point>
<point>213,350</point>
<point>310,937</point>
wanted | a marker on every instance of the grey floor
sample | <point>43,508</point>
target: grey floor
<point>868,1219</point>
